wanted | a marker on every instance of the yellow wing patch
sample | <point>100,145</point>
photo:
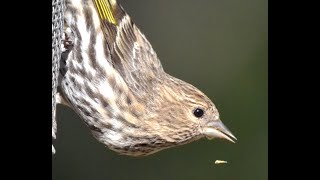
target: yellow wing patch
<point>105,10</point>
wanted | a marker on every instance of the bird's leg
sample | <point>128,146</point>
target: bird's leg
<point>67,43</point>
<point>67,40</point>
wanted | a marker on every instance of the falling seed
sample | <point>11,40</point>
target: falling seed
<point>220,162</point>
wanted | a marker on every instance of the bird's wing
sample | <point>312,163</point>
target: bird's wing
<point>131,53</point>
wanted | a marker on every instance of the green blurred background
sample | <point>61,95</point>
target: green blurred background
<point>221,47</point>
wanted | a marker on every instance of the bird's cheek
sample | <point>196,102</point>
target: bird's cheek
<point>203,122</point>
<point>199,127</point>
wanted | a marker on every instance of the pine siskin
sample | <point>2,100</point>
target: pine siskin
<point>115,82</point>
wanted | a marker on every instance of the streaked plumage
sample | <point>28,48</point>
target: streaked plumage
<point>115,82</point>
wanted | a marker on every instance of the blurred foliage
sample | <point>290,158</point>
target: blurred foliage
<point>221,47</point>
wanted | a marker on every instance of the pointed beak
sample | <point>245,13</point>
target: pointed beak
<point>216,129</point>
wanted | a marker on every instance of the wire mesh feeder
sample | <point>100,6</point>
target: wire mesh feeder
<point>57,30</point>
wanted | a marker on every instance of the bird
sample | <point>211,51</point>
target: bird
<point>113,79</point>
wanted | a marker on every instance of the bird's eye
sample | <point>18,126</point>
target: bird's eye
<point>198,112</point>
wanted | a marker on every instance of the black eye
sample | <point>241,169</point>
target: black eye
<point>198,112</point>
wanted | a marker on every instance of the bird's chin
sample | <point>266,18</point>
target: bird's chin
<point>218,130</point>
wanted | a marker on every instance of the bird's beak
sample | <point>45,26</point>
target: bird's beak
<point>216,129</point>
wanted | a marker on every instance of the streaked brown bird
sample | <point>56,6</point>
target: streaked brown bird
<point>115,82</point>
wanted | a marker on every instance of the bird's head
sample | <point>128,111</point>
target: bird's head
<point>177,113</point>
<point>188,114</point>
